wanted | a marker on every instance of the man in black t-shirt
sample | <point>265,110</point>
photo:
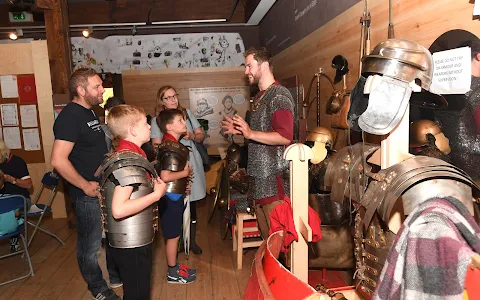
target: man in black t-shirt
<point>78,150</point>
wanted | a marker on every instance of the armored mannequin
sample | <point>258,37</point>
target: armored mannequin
<point>400,63</point>
<point>173,156</point>
<point>127,168</point>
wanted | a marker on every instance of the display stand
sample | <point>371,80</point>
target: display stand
<point>299,155</point>
<point>394,149</point>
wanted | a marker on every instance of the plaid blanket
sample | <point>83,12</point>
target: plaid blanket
<point>431,253</point>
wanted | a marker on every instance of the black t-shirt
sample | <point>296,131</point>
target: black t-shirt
<point>16,167</point>
<point>80,126</point>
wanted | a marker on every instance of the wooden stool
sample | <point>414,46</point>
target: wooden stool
<point>245,228</point>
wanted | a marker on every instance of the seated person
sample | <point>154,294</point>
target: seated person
<point>16,179</point>
<point>10,221</point>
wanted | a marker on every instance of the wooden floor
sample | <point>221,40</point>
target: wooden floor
<point>57,275</point>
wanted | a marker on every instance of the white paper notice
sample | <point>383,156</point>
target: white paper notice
<point>9,114</point>
<point>9,86</point>
<point>31,139</point>
<point>452,71</point>
<point>476,8</point>
<point>28,115</point>
<point>11,136</point>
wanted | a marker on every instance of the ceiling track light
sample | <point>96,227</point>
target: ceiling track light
<point>14,35</point>
<point>87,32</point>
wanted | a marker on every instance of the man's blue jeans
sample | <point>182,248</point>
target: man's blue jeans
<point>89,240</point>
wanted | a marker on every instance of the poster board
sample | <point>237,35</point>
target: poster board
<point>213,104</point>
<point>19,115</point>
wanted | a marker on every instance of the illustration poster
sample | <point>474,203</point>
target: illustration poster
<point>213,104</point>
<point>143,52</point>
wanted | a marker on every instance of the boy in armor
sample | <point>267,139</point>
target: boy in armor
<point>131,201</point>
<point>174,169</point>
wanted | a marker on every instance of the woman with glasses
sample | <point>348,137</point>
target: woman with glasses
<point>167,98</point>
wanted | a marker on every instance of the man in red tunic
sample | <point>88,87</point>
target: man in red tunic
<point>270,129</point>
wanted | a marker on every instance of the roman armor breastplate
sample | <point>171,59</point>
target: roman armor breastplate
<point>265,161</point>
<point>126,168</point>
<point>344,174</point>
<point>373,239</point>
<point>173,156</point>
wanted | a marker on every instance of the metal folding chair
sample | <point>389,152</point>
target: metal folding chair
<point>50,179</point>
<point>7,204</point>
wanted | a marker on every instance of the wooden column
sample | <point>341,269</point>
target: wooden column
<point>58,41</point>
<point>57,29</point>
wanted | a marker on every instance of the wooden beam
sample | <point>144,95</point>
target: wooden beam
<point>59,48</point>
<point>44,4</point>
<point>60,57</point>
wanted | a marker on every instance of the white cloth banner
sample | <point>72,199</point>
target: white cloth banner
<point>452,71</point>
<point>143,52</point>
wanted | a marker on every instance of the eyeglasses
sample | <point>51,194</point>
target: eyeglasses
<point>170,98</point>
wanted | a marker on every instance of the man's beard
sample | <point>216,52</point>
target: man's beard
<point>91,100</point>
<point>253,80</point>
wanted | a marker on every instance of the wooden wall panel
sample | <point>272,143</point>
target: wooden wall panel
<point>421,21</point>
<point>16,59</point>
<point>28,58</point>
<point>140,86</point>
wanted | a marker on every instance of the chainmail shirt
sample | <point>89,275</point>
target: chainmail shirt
<point>458,124</point>
<point>265,161</point>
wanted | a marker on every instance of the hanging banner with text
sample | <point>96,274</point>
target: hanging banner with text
<point>452,71</point>
<point>213,104</point>
<point>145,52</point>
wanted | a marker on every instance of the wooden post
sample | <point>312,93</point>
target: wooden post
<point>58,41</point>
<point>60,58</point>
<point>299,155</point>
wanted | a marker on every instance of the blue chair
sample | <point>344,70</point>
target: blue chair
<point>9,203</point>
<point>50,179</point>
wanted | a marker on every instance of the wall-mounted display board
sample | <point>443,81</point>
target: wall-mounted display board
<point>20,126</point>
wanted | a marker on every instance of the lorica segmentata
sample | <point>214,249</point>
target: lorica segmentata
<point>126,168</point>
<point>173,156</point>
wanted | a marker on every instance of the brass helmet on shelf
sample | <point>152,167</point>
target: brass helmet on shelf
<point>320,134</point>
<point>322,140</point>
<point>421,129</point>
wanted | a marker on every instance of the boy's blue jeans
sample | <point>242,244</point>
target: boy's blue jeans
<point>89,240</point>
